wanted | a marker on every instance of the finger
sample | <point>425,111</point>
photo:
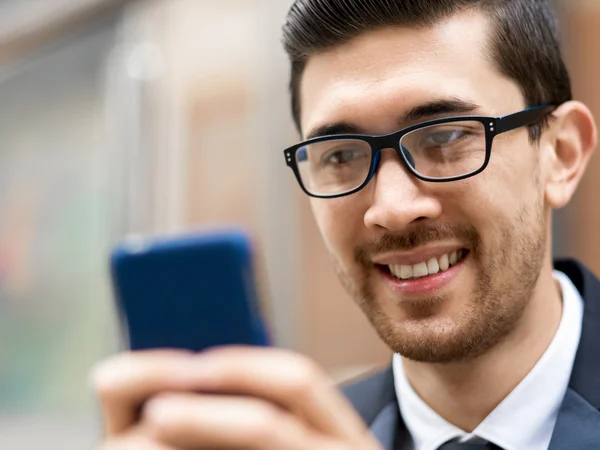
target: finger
<point>135,444</point>
<point>138,439</point>
<point>282,377</point>
<point>196,421</point>
<point>124,382</point>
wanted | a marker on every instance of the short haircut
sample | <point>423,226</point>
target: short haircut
<point>524,41</point>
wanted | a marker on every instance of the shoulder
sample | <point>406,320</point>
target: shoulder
<point>370,393</point>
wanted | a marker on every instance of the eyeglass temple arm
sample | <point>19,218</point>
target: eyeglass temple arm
<point>523,118</point>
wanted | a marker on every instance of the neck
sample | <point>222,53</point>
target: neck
<point>466,392</point>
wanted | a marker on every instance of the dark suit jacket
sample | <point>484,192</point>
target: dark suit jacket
<point>578,423</point>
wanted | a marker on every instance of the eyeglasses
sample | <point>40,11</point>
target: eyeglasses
<point>440,150</point>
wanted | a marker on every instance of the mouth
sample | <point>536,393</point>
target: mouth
<point>425,277</point>
<point>432,266</point>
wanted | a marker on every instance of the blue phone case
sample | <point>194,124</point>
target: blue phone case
<point>190,292</point>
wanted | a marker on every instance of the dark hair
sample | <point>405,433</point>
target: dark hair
<point>524,43</point>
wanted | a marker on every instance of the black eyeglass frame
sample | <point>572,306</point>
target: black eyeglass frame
<point>493,126</point>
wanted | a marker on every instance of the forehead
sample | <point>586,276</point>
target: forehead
<point>377,76</point>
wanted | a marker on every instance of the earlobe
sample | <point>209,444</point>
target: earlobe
<point>574,137</point>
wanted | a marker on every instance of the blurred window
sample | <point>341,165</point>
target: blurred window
<point>56,220</point>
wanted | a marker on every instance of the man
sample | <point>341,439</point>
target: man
<point>440,232</point>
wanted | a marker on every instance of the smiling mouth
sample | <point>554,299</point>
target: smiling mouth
<point>432,266</point>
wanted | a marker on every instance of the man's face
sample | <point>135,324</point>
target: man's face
<point>494,223</point>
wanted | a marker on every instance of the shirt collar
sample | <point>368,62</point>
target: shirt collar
<point>535,401</point>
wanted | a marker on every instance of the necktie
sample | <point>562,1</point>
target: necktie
<point>453,445</point>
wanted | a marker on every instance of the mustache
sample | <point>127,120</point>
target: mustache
<point>417,237</point>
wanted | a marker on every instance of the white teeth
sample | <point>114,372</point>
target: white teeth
<point>433,266</point>
<point>406,272</point>
<point>444,262</point>
<point>453,258</point>
<point>420,270</point>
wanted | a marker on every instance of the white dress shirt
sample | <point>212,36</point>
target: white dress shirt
<point>525,419</point>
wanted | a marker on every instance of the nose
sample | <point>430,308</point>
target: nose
<point>398,198</point>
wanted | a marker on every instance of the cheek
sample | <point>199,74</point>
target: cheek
<point>514,170</point>
<point>481,203</point>
<point>496,198</point>
<point>496,201</point>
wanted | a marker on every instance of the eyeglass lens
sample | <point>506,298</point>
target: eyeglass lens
<point>439,151</point>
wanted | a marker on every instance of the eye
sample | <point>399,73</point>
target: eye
<point>343,156</point>
<point>446,137</point>
<point>340,156</point>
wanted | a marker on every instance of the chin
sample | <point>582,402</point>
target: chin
<point>437,338</point>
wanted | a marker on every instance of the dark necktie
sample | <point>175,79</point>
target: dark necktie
<point>453,445</point>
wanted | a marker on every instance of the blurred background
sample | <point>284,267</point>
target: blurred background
<point>163,116</point>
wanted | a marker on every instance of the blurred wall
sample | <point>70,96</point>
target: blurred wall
<point>57,217</point>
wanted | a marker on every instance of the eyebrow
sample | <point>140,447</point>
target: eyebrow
<point>418,113</point>
<point>439,107</point>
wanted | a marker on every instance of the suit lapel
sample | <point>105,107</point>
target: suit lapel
<point>375,400</point>
<point>578,422</point>
<point>577,426</point>
<point>385,426</point>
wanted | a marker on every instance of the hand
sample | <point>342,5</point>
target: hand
<point>227,398</point>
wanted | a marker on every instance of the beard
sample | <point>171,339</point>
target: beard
<point>505,277</point>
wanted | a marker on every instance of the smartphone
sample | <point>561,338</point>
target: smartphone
<point>189,292</point>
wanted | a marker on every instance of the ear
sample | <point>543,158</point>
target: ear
<point>572,139</point>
